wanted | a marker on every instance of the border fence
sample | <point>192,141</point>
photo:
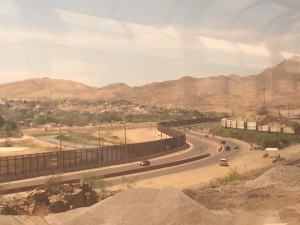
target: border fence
<point>32,165</point>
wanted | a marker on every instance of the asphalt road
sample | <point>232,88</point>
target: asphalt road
<point>200,145</point>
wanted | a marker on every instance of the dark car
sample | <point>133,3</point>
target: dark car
<point>227,148</point>
<point>223,142</point>
<point>145,163</point>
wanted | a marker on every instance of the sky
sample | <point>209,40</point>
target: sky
<point>99,42</point>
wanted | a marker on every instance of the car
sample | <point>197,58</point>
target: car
<point>145,163</point>
<point>206,135</point>
<point>223,142</point>
<point>235,147</point>
<point>223,162</point>
<point>227,148</point>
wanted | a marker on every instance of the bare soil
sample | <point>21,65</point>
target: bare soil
<point>30,142</point>
<point>236,197</point>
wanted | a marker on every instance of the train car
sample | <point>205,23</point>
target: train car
<point>233,124</point>
<point>228,123</point>
<point>223,122</point>
<point>251,126</point>
<point>276,129</point>
<point>264,128</point>
<point>241,125</point>
<point>288,130</point>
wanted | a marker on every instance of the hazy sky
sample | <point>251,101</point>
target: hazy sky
<point>98,42</point>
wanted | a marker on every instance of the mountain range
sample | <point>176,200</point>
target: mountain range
<point>275,86</point>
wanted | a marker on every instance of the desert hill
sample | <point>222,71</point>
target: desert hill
<point>43,88</point>
<point>278,85</point>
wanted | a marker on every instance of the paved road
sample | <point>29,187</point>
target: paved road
<point>200,145</point>
<point>208,144</point>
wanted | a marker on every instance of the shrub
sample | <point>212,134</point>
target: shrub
<point>232,175</point>
<point>95,181</point>
<point>262,111</point>
<point>128,183</point>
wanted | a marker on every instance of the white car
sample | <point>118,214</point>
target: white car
<point>223,162</point>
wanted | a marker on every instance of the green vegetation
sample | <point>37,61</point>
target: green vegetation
<point>269,119</point>
<point>95,181</point>
<point>264,139</point>
<point>233,175</point>
<point>128,183</point>
<point>79,137</point>
<point>262,111</point>
<point>275,119</point>
<point>9,127</point>
<point>85,112</point>
<point>52,182</point>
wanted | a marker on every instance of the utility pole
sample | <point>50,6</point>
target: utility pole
<point>125,147</point>
<point>60,138</point>
<point>178,134</point>
<point>99,137</point>
<point>161,145</point>
<point>264,96</point>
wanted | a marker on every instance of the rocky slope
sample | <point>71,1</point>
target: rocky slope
<point>278,85</point>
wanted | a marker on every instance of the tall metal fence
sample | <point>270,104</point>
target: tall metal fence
<point>31,165</point>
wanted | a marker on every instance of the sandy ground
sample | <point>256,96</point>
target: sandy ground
<point>34,145</point>
<point>138,135</point>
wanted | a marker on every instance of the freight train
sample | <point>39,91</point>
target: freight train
<point>245,125</point>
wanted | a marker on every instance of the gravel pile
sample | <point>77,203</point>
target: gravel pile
<point>21,220</point>
<point>143,206</point>
<point>286,177</point>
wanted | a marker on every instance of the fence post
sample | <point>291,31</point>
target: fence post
<point>15,165</point>
<point>30,163</point>
<point>7,164</point>
<point>44,161</point>
<point>23,164</point>
<point>37,162</point>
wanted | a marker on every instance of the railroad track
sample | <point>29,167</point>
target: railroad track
<point>295,162</point>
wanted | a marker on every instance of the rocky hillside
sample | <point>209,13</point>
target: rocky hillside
<point>278,85</point>
<point>44,88</point>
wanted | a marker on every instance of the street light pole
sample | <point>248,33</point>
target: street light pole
<point>161,144</point>
<point>125,147</point>
<point>60,141</point>
<point>99,132</point>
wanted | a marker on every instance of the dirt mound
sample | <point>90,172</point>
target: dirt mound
<point>21,220</point>
<point>143,206</point>
<point>285,177</point>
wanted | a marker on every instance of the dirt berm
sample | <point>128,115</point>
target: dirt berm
<point>150,207</point>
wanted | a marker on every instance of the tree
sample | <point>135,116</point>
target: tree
<point>9,126</point>
<point>40,119</point>
<point>262,111</point>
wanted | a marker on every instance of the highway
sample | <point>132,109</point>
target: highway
<point>208,144</point>
<point>199,145</point>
